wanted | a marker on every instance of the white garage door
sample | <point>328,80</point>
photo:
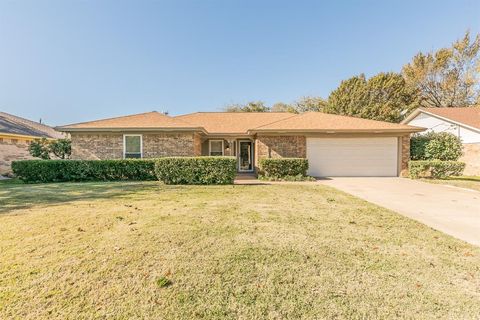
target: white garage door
<point>350,157</point>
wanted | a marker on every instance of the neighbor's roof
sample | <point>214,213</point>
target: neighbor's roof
<point>148,120</point>
<point>238,123</point>
<point>468,116</point>
<point>232,122</point>
<point>15,125</point>
<point>324,122</point>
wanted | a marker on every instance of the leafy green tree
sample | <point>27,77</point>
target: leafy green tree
<point>385,97</point>
<point>448,77</point>
<point>39,148</point>
<point>253,106</point>
<point>61,148</point>
<point>43,148</point>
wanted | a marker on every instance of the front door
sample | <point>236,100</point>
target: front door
<point>245,156</point>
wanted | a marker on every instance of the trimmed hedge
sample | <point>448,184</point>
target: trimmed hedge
<point>283,167</point>
<point>435,169</point>
<point>196,170</point>
<point>84,170</point>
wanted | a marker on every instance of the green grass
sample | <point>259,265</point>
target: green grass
<point>128,250</point>
<point>468,182</point>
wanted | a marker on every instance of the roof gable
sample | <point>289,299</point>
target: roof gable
<point>467,116</point>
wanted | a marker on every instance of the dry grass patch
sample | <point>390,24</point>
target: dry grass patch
<point>468,182</point>
<point>145,250</point>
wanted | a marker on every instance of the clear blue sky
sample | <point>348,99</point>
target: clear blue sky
<point>68,60</point>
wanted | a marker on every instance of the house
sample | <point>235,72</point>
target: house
<point>15,135</point>
<point>462,122</point>
<point>334,145</point>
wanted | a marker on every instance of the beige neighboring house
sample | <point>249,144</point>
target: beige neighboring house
<point>462,122</point>
<point>334,145</point>
<point>16,133</point>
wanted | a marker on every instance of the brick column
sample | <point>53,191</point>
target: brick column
<point>405,156</point>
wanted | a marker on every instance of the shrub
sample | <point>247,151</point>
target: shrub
<point>287,178</point>
<point>283,167</point>
<point>196,170</point>
<point>84,170</point>
<point>436,169</point>
<point>436,146</point>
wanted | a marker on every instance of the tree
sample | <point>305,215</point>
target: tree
<point>253,106</point>
<point>38,148</point>
<point>283,107</point>
<point>307,104</point>
<point>304,104</point>
<point>43,148</point>
<point>385,97</point>
<point>448,77</point>
<point>61,148</point>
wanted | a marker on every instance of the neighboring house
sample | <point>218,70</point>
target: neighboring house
<point>334,145</point>
<point>462,122</point>
<point>15,135</point>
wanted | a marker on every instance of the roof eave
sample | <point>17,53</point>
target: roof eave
<point>406,130</point>
<point>120,129</point>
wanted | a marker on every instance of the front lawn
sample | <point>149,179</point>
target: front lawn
<point>128,250</point>
<point>468,182</point>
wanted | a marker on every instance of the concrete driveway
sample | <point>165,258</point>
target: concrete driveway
<point>451,210</point>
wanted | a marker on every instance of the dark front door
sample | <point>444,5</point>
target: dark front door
<point>245,156</point>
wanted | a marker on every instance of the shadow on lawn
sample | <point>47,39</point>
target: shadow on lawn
<point>18,195</point>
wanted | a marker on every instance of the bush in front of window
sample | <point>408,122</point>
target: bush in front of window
<point>32,171</point>
<point>196,170</point>
<point>278,168</point>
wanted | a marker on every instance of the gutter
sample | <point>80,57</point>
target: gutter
<point>136,129</point>
<point>409,130</point>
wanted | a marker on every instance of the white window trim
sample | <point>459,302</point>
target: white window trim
<point>141,143</point>
<point>210,147</point>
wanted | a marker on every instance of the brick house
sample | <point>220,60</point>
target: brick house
<point>16,133</point>
<point>334,145</point>
<point>461,122</point>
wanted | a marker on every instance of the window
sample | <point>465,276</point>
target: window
<point>216,147</point>
<point>132,146</point>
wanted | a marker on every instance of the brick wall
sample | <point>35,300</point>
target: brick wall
<point>471,157</point>
<point>10,150</point>
<point>405,155</point>
<point>90,146</point>
<point>280,147</point>
<point>197,145</point>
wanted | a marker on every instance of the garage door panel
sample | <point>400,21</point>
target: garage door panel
<point>352,156</point>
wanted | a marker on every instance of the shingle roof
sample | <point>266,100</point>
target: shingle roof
<point>232,122</point>
<point>241,123</point>
<point>469,116</point>
<point>148,120</point>
<point>322,122</point>
<point>20,126</point>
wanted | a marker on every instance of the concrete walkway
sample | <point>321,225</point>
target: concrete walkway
<point>454,211</point>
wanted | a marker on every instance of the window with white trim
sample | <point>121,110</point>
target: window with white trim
<point>132,146</point>
<point>216,147</point>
